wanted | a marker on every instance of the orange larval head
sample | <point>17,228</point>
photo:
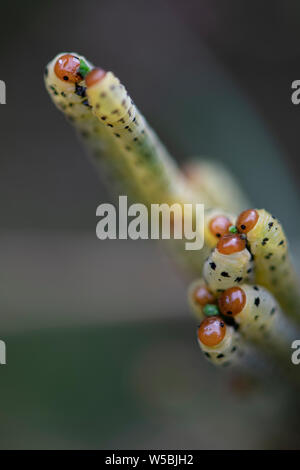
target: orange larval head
<point>94,76</point>
<point>67,67</point>
<point>203,296</point>
<point>232,301</point>
<point>229,244</point>
<point>212,331</point>
<point>247,220</point>
<point>219,225</point>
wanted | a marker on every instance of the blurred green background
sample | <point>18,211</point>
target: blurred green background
<point>101,349</point>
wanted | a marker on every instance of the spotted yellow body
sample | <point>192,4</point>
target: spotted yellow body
<point>222,271</point>
<point>229,352</point>
<point>273,266</point>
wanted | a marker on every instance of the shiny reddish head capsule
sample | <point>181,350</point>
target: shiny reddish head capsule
<point>219,225</point>
<point>247,220</point>
<point>232,301</point>
<point>212,331</point>
<point>94,76</point>
<point>203,296</point>
<point>66,68</point>
<point>231,244</point>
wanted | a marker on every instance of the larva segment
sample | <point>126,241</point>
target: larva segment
<point>155,173</point>
<point>220,343</point>
<point>222,271</point>
<point>273,267</point>
<point>260,318</point>
<point>199,295</point>
<point>69,96</point>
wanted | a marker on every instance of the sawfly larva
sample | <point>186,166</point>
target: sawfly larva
<point>273,267</point>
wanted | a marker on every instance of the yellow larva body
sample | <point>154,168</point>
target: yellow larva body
<point>222,271</point>
<point>218,183</point>
<point>273,267</point>
<point>72,101</point>
<point>155,172</point>
<point>262,321</point>
<point>229,352</point>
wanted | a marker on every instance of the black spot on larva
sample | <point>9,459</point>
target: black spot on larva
<point>65,78</point>
<point>110,125</point>
<point>222,324</point>
<point>63,94</point>
<point>80,90</point>
<point>213,265</point>
<point>264,242</point>
<point>233,349</point>
<point>128,148</point>
<point>243,227</point>
<point>273,311</point>
<point>135,139</point>
<point>117,135</point>
<point>219,356</point>
<point>252,257</point>
<point>220,290</point>
<point>238,279</point>
<point>256,317</point>
<point>70,105</point>
<point>281,243</point>
<point>270,224</point>
<point>207,354</point>
<point>97,106</point>
<point>272,268</point>
<point>103,118</point>
<point>257,301</point>
<point>268,256</point>
<point>229,312</point>
<point>255,288</point>
<point>249,270</point>
<point>224,274</point>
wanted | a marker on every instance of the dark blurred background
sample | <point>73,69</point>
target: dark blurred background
<point>101,347</point>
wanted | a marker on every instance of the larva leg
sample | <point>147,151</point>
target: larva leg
<point>273,267</point>
<point>229,264</point>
